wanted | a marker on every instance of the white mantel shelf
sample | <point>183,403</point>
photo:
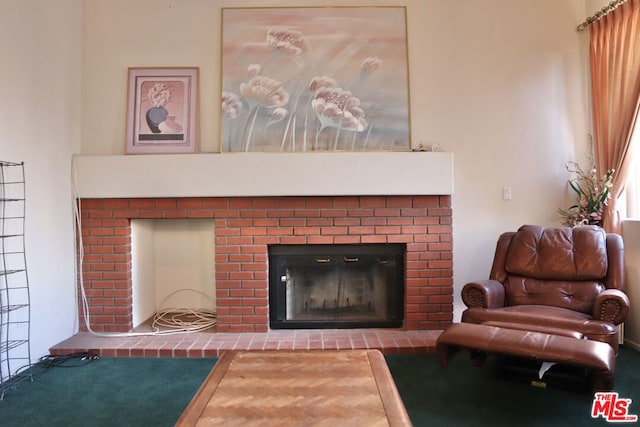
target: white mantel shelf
<point>264,174</point>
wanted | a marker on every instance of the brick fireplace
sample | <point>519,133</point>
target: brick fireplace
<point>243,229</point>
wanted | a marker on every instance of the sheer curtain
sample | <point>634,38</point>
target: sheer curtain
<point>614,53</point>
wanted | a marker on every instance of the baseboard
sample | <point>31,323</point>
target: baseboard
<point>633,344</point>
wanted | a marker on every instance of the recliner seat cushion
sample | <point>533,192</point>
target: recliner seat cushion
<point>574,295</point>
<point>538,314</point>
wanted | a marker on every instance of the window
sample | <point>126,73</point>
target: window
<point>630,201</point>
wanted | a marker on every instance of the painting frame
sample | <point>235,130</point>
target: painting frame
<point>314,78</point>
<point>162,108</point>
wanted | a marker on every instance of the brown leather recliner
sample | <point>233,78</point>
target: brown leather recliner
<point>556,280</point>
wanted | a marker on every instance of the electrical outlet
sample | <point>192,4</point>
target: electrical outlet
<point>506,193</point>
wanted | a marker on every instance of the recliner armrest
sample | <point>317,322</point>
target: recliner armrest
<point>611,305</point>
<point>483,293</point>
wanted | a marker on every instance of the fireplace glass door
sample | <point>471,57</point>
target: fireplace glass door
<point>336,286</point>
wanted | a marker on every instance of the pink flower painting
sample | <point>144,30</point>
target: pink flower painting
<point>314,79</point>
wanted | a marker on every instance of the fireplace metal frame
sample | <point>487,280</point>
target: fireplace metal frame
<point>280,255</point>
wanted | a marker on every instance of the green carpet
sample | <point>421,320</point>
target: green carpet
<point>467,395</point>
<point>154,392</point>
<point>106,392</point>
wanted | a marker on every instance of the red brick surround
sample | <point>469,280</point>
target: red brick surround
<point>244,226</point>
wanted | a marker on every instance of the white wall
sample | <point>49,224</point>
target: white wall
<point>173,265</point>
<point>40,121</point>
<point>143,271</point>
<point>593,6</point>
<point>184,250</point>
<point>502,84</point>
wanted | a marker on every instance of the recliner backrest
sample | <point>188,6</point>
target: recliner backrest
<point>563,267</point>
<point>565,253</point>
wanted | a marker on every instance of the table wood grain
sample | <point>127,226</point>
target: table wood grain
<point>297,388</point>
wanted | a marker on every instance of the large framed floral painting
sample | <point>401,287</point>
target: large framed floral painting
<point>314,79</point>
<point>161,110</point>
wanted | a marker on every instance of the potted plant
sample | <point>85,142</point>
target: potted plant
<point>592,195</point>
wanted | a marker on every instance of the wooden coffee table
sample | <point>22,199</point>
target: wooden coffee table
<point>305,388</point>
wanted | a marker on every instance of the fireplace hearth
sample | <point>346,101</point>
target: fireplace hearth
<point>336,286</point>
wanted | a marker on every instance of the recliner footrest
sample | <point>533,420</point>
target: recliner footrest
<point>595,355</point>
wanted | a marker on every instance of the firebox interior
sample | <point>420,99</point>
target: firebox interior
<point>336,286</point>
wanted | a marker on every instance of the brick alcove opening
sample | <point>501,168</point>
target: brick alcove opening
<point>243,229</point>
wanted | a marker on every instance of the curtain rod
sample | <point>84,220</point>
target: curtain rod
<point>600,14</point>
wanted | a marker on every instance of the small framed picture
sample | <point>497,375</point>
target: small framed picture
<point>161,110</point>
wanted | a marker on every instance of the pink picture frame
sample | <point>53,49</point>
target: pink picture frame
<point>162,110</point>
